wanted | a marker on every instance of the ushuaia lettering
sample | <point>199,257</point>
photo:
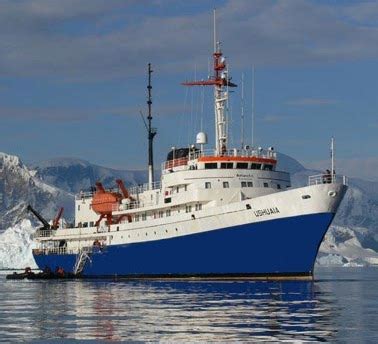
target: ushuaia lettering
<point>266,211</point>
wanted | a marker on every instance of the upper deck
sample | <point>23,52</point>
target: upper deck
<point>208,159</point>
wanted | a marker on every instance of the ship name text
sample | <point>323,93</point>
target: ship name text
<point>266,211</point>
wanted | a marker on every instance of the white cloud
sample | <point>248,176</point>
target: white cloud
<point>82,40</point>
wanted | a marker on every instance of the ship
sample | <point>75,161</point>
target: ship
<point>220,212</point>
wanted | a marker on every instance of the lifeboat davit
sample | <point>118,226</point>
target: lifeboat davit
<point>105,202</point>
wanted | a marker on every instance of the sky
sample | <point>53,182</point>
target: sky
<point>73,78</point>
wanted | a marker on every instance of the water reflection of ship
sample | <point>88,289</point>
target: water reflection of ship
<point>182,311</point>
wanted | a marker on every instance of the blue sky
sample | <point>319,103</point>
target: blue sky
<point>73,77</point>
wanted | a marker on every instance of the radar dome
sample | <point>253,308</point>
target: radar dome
<point>201,138</point>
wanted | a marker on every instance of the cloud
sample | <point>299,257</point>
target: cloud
<point>275,118</point>
<point>311,102</point>
<point>99,39</point>
<point>364,168</point>
<point>73,114</point>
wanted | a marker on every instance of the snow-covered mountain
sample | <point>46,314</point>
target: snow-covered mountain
<point>74,175</point>
<point>19,187</point>
<point>351,240</point>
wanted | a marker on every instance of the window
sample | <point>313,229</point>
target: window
<point>161,214</point>
<point>250,184</point>
<point>136,218</point>
<point>177,189</point>
<point>198,206</point>
<point>243,184</point>
<point>278,186</point>
<point>306,196</point>
<point>226,185</point>
<point>255,166</point>
<point>186,187</point>
<point>242,165</point>
<point>78,207</point>
<point>207,185</point>
<point>188,208</point>
<point>168,212</point>
<point>144,216</point>
<point>266,185</point>
<point>268,167</point>
<point>91,224</point>
<point>211,165</point>
<point>227,165</point>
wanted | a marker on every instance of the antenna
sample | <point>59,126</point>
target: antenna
<point>242,111</point>
<point>215,31</point>
<point>332,159</point>
<point>253,105</point>
<point>151,132</point>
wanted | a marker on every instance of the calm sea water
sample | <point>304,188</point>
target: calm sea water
<point>340,305</point>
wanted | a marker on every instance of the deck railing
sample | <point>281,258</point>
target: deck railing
<point>196,154</point>
<point>326,178</point>
<point>44,233</point>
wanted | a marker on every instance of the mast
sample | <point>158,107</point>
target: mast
<point>151,132</point>
<point>332,160</point>
<point>242,112</point>
<point>253,107</point>
<point>221,81</point>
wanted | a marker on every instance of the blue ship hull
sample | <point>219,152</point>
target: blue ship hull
<point>285,246</point>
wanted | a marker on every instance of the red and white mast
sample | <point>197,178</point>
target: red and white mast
<point>220,81</point>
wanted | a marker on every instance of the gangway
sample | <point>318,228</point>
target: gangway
<point>81,259</point>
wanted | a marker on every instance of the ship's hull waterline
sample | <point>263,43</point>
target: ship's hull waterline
<point>285,247</point>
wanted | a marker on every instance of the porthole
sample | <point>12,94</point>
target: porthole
<point>248,206</point>
<point>176,229</point>
<point>146,234</point>
<point>332,193</point>
<point>166,231</point>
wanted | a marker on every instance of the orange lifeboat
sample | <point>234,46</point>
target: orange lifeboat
<point>105,202</point>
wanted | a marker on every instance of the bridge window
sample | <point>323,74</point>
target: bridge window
<point>255,166</point>
<point>211,165</point>
<point>266,185</point>
<point>226,185</point>
<point>207,185</point>
<point>227,165</point>
<point>268,167</point>
<point>242,165</point>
